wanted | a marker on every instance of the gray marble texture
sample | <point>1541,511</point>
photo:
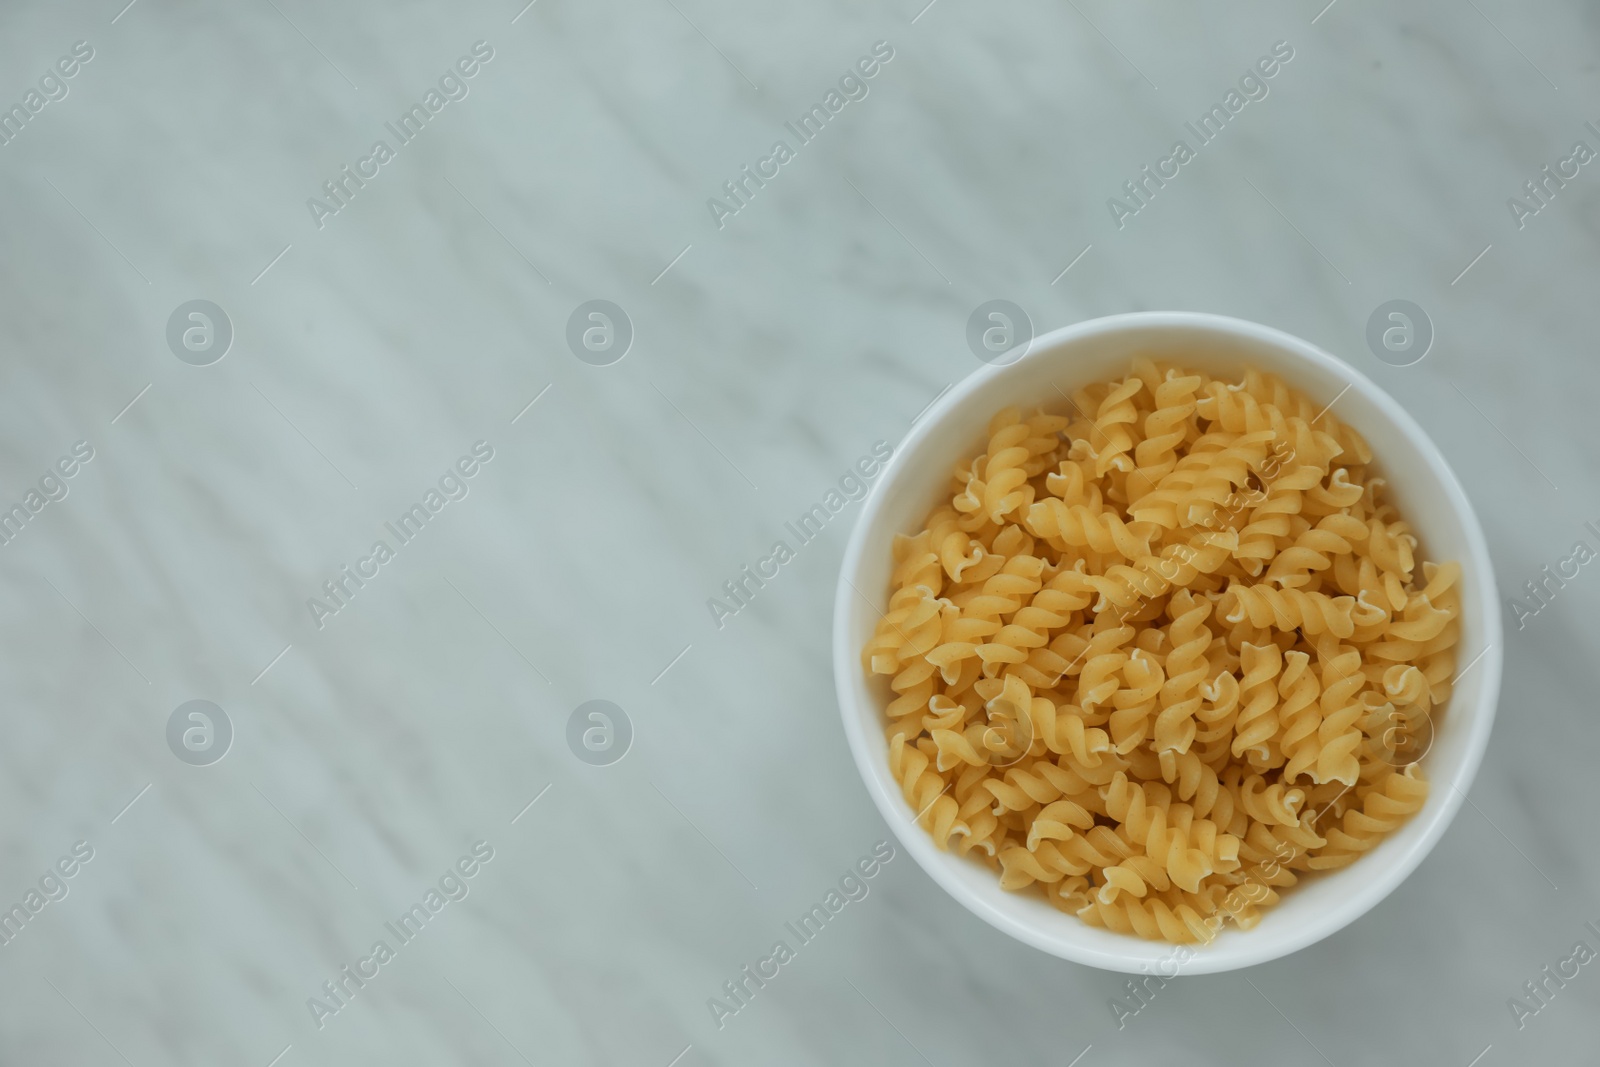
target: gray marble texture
<point>370,753</point>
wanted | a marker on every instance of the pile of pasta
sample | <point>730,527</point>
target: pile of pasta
<point>1161,655</point>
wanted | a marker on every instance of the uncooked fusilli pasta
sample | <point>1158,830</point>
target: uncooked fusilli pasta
<point>1161,652</point>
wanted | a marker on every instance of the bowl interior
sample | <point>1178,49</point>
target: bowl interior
<point>1420,484</point>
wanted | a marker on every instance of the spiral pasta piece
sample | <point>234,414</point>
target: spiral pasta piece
<point>1276,804</point>
<point>1389,802</point>
<point>1135,701</point>
<point>1339,733</point>
<point>1165,427</point>
<point>1081,526</point>
<point>1300,713</point>
<point>1154,920</point>
<point>1186,668</point>
<point>924,791</point>
<point>1259,722</point>
<point>1291,609</point>
<point>1111,424</point>
<point>1314,550</point>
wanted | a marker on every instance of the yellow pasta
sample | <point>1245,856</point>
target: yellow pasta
<point>1161,654</point>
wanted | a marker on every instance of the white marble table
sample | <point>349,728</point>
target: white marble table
<point>375,745</point>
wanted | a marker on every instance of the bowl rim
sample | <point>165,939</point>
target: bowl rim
<point>1242,952</point>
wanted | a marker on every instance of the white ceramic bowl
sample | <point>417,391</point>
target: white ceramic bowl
<point>1422,486</point>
